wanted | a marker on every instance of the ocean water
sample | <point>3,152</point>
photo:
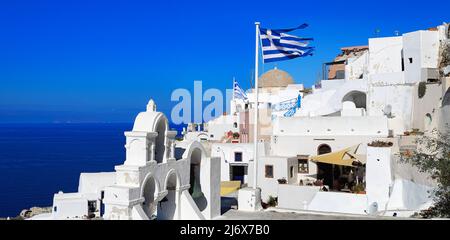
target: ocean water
<point>38,160</point>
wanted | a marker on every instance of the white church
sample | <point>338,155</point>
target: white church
<point>333,148</point>
<point>158,180</point>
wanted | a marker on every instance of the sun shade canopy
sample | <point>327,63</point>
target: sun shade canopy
<point>344,157</point>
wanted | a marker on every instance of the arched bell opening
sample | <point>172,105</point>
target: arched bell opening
<point>150,193</point>
<point>195,179</point>
<point>167,207</point>
<point>160,141</point>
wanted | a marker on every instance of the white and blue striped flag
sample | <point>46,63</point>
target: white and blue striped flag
<point>238,92</point>
<point>279,46</point>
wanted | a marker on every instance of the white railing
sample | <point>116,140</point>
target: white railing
<point>285,105</point>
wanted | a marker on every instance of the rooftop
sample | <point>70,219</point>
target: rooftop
<point>275,78</point>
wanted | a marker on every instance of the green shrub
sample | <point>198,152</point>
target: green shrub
<point>273,201</point>
<point>436,162</point>
<point>236,135</point>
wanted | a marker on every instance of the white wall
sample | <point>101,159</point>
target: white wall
<point>408,195</point>
<point>339,203</point>
<point>296,197</point>
<point>197,136</point>
<point>423,48</point>
<point>331,126</point>
<point>210,180</point>
<point>219,127</point>
<point>189,210</point>
<point>225,151</point>
<point>95,182</point>
<point>356,66</point>
<point>392,85</point>
<point>303,136</point>
<point>328,99</point>
<point>399,97</point>
<point>69,205</point>
<point>281,169</point>
<point>385,55</point>
<point>412,50</point>
<point>330,84</point>
<point>428,104</point>
<point>276,95</point>
<point>379,179</point>
<point>138,213</point>
<point>387,79</point>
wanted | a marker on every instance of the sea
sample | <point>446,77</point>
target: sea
<point>38,160</point>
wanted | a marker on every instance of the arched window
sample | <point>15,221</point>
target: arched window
<point>323,149</point>
<point>428,119</point>
<point>357,97</point>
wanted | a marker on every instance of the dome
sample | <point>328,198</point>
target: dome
<point>147,121</point>
<point>275,78</point>
<point>150,120</point>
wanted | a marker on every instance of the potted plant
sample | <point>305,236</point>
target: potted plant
<point>236,135</point>
<point>378,143</point>
<point>318,183</point>
<point>359,188</point>
<point>282,181</point>
<point>273,201</point>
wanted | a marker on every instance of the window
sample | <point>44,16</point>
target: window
<point>303,165</point>
<point>235,125</point>
<point>269,171</point>
<point>323,149</point>
<point>291,172</point>
<point>410,60</point>
<point>340,74</point>
<point>238,156</point>
<point>403,62</point>
<point>55,209</point>
<point>92,206</point>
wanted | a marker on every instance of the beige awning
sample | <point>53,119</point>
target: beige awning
<point>345,157</point>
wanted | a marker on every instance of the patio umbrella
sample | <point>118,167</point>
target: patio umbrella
<point>346,157</point>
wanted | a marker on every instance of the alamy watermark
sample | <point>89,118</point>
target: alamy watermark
<point>204,106</point>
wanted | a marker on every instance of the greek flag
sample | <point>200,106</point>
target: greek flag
<point>279,46</point>
<point>238,93</point>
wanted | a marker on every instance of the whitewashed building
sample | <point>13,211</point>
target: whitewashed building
<point>391,91</point>
<point>152,183</point>
<point>317,146</point>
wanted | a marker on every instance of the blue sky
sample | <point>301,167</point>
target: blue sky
<point>100,61</point>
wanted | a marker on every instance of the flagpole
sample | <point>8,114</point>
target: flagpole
<point>234,82</point>
<point>255,132</point>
